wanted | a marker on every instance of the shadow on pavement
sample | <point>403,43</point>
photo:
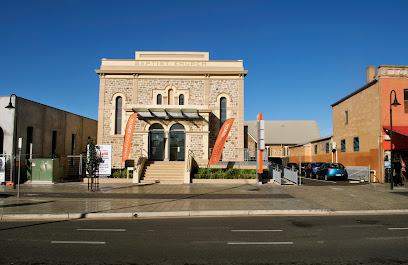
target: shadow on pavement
<point>23,204</point>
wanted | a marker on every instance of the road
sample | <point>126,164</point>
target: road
<point>222,240</point>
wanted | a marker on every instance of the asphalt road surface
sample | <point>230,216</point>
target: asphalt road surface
<point>221,240</point>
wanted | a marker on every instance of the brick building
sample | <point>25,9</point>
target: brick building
<point>361,125</point>
<point>181,98</point>
<point>361,120</point>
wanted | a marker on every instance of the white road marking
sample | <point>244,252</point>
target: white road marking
<point>329,181</point>
<point>387,238</point>
<point>276,230</point>
<point>104,230</point>
<point>260,243</point>
<point>358,226</point>
<point>398,228</point>
<point>320,242</point>
<point>78,242</point>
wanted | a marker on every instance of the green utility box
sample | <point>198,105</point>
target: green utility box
<point>44,169</point>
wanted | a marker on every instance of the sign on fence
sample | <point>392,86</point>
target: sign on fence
<point>105,151</point>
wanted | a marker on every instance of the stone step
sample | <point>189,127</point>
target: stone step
<point>165,162</point>
<point>163,175</point>
<point>166,167</point>
<point>155,177</point>
<point>162,181</point>
<point>164,172</point>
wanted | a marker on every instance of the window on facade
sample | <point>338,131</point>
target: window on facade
<point>343,145</point>
<point>159,99</point>
<point>406,100</point>
<point>30,131</point>
<point>356,144</point>
<point>346,113</point>
<point>118,116</point>
<point>170,97</point>
<point>327,148</point>
<point>223,110</point>
<point>54,144</point>
<point>181,99</point>
<point>315,149</point>
<point>73,139</point>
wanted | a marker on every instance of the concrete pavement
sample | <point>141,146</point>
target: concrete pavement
<point>74,201</point>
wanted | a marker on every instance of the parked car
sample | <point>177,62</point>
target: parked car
<point>294,165</point>
<point>303,166</point>
<point>312,169</point>
<point>332,171</point>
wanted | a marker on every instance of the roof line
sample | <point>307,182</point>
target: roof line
<point>355,92</point>
<point>48,106</point>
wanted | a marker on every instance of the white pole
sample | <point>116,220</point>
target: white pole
<point>20,143</point>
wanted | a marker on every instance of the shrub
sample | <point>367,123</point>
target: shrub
<point>122,174</point>
<point>221,173</point>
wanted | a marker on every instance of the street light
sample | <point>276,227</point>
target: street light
<point>10,106</point>
<point>395,103</point>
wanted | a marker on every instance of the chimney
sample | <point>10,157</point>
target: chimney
<point>370,73</point>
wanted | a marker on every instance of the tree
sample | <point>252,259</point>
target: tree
<point>92,161</point>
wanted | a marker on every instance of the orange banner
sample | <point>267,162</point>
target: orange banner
<point>128,136</point>
<point>219,144</point>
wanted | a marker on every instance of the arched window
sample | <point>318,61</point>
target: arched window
<point>159,99</point>
<point>181,99</point>
<point>223,110</point>
<point>118,116</point>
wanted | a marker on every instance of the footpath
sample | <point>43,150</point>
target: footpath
<point>74,201</point>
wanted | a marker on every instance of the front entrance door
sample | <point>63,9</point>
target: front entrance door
<point>177,143</point>
<point>156,143</point>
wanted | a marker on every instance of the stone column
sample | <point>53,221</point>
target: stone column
<point>166,146</point>
<point>101,108</point>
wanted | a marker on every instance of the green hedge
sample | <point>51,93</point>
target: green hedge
<point>121,174</point>
<point>221,173</point>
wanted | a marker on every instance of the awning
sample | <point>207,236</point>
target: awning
<point>143,113</point>
<point>175,113</point>
<point>159,112</point>
<point>167,113</point>
<point>190,113</point>
<point>401,130</point>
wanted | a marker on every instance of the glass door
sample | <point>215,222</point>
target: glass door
<point>156,142</point>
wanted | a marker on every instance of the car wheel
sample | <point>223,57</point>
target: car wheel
<point>325,177</point>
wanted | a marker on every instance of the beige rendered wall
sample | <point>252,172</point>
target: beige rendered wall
<point>202,82</point>
<point>45,120</point>
<point>364,121</point>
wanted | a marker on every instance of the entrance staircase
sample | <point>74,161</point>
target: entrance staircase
<point>163,172</point>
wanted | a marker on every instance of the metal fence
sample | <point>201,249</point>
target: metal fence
<point>275,173</point>
<point>6,169</point>
<point>75,169</point>
<point>359,173</point>
<point>291,175</point>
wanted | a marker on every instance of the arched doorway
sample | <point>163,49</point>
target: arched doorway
<point>177,142</point>
<point>1,140</point>
<point>156,142</point>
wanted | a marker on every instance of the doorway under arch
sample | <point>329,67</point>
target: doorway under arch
<point>156,142</point>
<point>177,142</point>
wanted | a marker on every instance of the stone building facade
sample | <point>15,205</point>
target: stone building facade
<point>178,98</point>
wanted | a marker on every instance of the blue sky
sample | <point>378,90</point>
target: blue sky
<point>302,56</point>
